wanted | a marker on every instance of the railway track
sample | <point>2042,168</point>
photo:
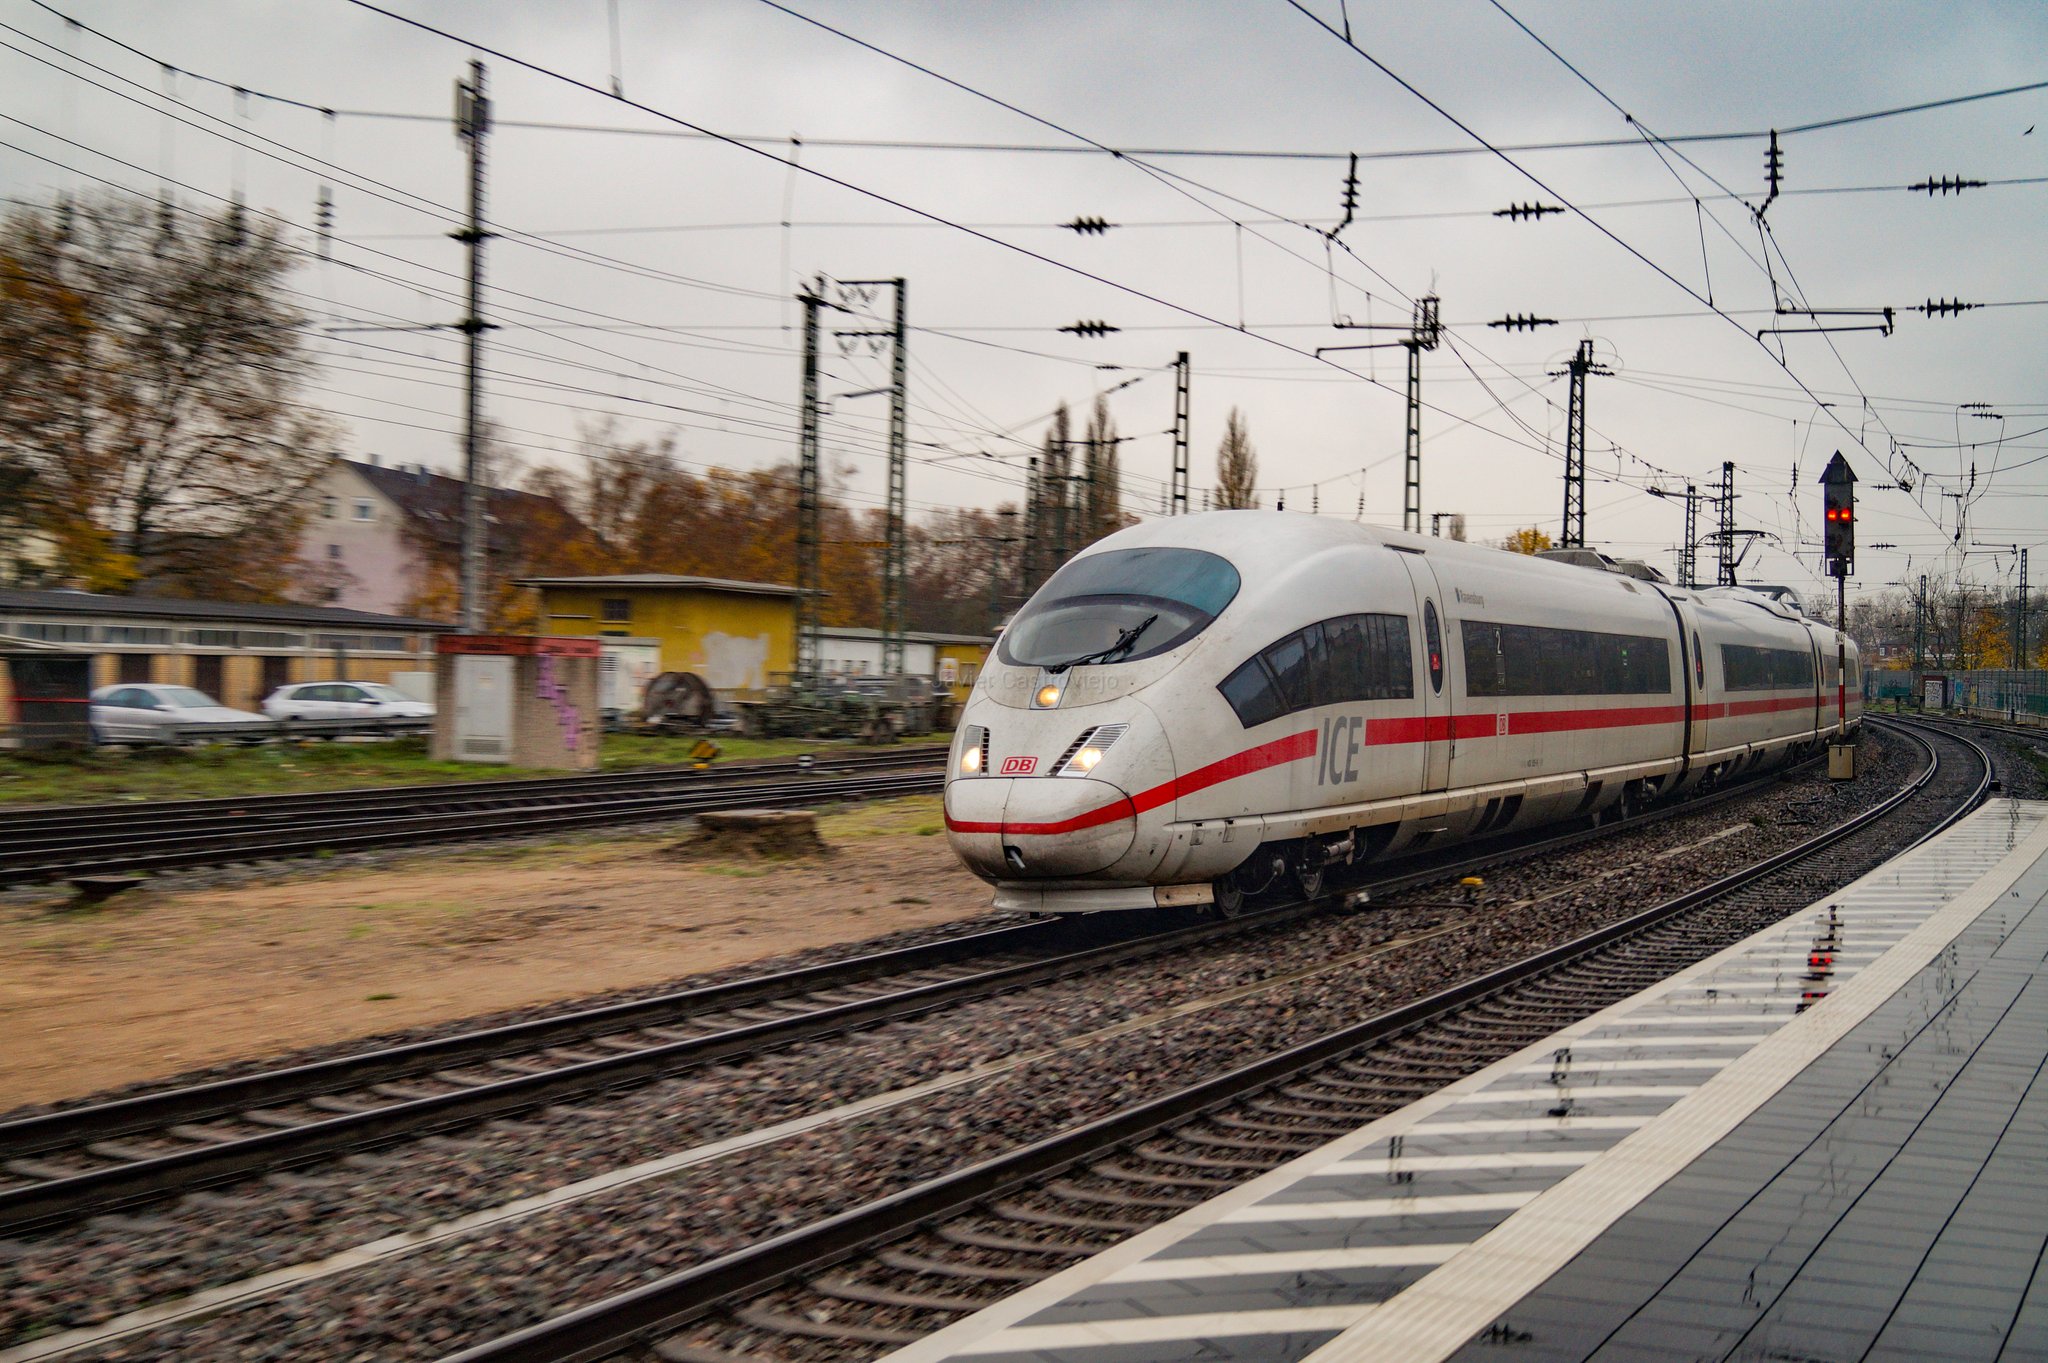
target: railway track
<point>891,1271</point>
<point>114,840</point>
<point>60,1166</point>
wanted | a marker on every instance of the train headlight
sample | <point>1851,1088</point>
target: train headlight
<point>1047,697</point>
<point>1087,750</point>
<point>973,750</point>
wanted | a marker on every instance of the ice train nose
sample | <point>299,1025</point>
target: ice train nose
<point>1044,827</point>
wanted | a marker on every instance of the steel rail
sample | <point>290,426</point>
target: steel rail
<point>604,1327</point>
<point>267,805</point>
<point>54,1200</point>
<point>212,848</point>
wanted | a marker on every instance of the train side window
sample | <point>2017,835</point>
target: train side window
<point>1343,666</point>
<point>1433,639</point>
<point>1483,668</point>
<point>1699,663</point>
<point>1251,694</point>
<point>1288,660</point>
<point>1396,658</point>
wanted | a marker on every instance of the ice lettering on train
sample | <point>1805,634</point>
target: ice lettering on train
<point>1334,767</point>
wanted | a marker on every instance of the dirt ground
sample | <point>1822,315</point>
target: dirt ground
<point>159,981</point>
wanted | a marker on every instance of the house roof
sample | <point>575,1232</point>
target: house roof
<point>24,601</point>
<point>435,499</point>
<point>662,581</point>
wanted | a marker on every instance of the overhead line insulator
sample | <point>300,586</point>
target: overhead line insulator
<point>1944,307</point>
<point>1090,328</point>
<point>1947,184</point>
<point>1522,321</point>
<point>1088,226</point>
<point>1516,212</point>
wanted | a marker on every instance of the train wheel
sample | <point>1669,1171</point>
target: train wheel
<point>1229,896</point>
<point>1310,871</point>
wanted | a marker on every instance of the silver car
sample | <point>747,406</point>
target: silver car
<point>343,700</point>
<point>154,712</point>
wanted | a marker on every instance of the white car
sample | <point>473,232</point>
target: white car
<point>343,700</point>
<point>152,712</point>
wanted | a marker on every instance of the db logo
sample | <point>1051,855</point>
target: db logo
<point>1019,766</point>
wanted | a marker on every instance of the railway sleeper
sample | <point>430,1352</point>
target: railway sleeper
<point>1068,1191</point>
<point>1273,1149</point>
<point>1330,1110</point>
<point>1124,1174</point>
<point>1032,1216</point>
<point>1313,1131</point>
<point>969,1238</point>
<point>905,1262</point>
<point>1375,1095</point>
<point>803,1328</point>
<point>1150,1150</point>
<point>849,1289</point>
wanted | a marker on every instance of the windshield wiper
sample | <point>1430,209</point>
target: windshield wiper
<point>1125,641</point>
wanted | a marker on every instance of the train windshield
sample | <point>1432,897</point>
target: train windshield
<point>1120,606</point>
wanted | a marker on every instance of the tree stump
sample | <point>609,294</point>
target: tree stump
<point>776,834</point>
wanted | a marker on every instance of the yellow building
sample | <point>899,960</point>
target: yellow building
<point>740,637</point>
<point>737,636</point>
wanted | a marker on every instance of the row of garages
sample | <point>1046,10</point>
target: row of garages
<point>739,636</point>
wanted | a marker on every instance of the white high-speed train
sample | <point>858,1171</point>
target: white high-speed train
<point>1194,709</point>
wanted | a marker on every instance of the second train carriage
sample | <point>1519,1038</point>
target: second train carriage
<point>1193,708</point>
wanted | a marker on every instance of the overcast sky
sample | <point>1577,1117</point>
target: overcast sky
<point>647,272</point>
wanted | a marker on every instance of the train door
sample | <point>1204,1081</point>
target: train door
<point>1433,686</point>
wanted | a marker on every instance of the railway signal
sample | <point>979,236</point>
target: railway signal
<point>1838,493</point>
<point>1838,485</point>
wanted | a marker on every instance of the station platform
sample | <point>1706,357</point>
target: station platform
<point>1827,1142</point>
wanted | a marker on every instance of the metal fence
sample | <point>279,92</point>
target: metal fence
<point>2013,694</point>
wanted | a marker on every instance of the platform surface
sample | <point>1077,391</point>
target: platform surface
<point>1743,1162</point>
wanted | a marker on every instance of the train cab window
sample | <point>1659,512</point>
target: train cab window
<point>1252,694</point>
<point>1288,662</point>
<point>1120,606</point>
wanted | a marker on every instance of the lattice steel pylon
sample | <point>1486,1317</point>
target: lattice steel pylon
<point>1688,556</point>
<point>1580,365</point>
<point>808,578</point>
<point>894,554</point>
<point>1423,335</point>
<point>1726,574</point>
<point>894,563</point>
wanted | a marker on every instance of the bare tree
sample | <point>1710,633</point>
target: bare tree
<point>150,376</point>
<point>1103,495</point>
<point>1237,466</point>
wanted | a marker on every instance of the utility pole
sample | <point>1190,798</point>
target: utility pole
<point>894,551</point>
<point>1580,365</point>
<point>1424,336</point>
<point>2020,617</point>
<point>808,634</point>
<point>472,122</point>
<point>1688,557</point>
<point>1424,331</point>
<point>1180,434</point>
<point>1920,629</point>
<point>1725,575</point>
